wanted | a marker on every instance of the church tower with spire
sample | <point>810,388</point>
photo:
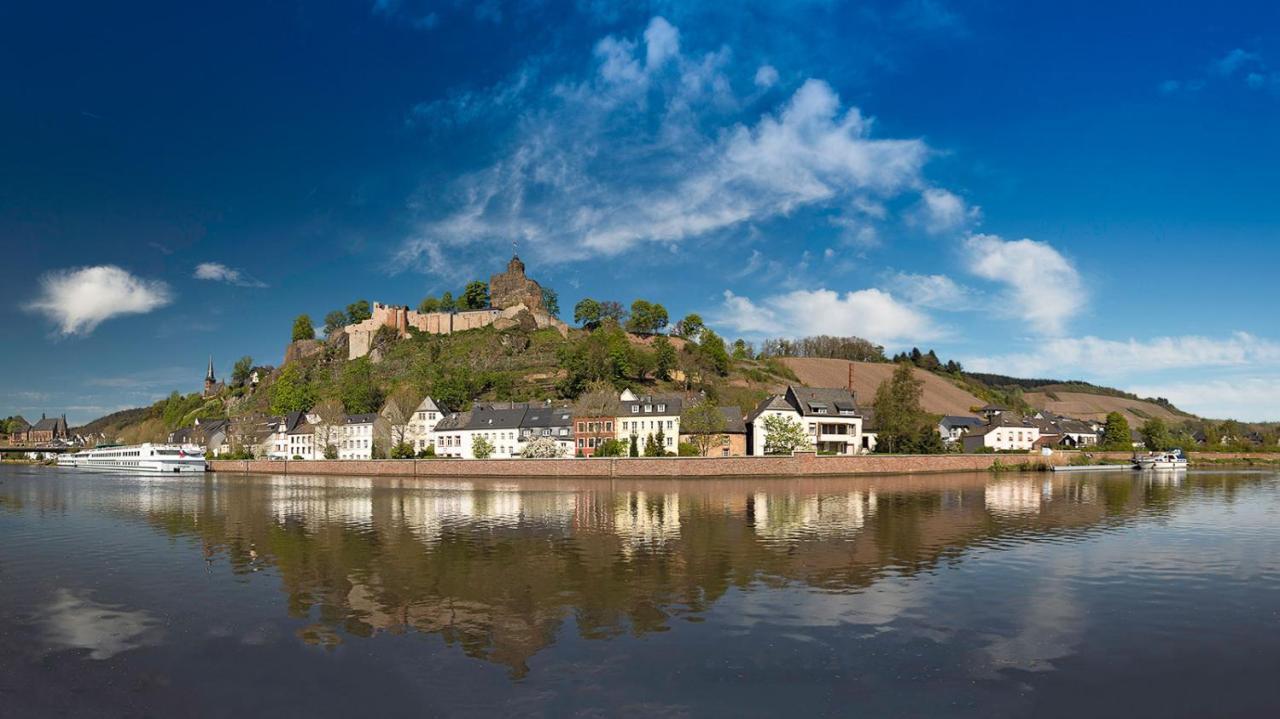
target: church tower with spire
<point>210,382</point>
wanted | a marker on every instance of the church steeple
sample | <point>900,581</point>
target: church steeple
<point>209,376</point>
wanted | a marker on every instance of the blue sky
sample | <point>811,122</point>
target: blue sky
<point>1080,190</point>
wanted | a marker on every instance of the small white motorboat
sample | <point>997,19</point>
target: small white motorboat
<point>1172,459</point>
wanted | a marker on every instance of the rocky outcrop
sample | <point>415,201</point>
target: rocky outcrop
<point>511,288</point>
<point>302,349</point>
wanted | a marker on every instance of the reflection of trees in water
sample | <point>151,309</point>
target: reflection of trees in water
<point>497,569</point>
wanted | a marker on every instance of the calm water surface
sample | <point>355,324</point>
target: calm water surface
<point>962,595</point>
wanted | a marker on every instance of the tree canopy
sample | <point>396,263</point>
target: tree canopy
<point>1116,435</point>
<point>302,329</point>
<point>784,435</point>
<point>647,317</point>
<point>587,313</point>
<point>358,311</point>
<point>903,426</point>
<point>356,388</point>
<point>475,296</point>
<point>291,392</point>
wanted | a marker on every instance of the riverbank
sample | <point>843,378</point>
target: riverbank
<point>803,464</point>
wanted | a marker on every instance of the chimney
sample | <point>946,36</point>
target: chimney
<point>850,378</point>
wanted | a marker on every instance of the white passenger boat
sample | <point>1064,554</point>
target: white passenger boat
<point>149,458</point>
<point>1161,460</point>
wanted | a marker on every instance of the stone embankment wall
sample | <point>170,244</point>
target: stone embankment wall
<point>800,465</point>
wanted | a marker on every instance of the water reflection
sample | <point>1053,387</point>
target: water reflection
<point>501,569</point>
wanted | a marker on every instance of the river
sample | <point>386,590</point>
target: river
<point>976,595</point>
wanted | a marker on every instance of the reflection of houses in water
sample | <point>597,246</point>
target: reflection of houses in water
<point>320,502</point>
<point>820,516</point>
<point>641,519</point>
<point>1015,496</point>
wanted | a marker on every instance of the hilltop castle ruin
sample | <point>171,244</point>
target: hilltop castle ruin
<point>515,300</point>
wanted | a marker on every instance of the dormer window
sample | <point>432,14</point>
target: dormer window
<point>648,408</point>
<point>635,409</point>
<point>662,408</point>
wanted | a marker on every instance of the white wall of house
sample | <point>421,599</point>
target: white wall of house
<point>648,420</point>
<point>422,423</point>
<point>1003,439</point>
<point>355,441</point>
<point>757,427</point>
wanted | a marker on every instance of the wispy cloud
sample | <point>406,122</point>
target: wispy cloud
<point>1042,286</point>
<point>217,272</point>
<point>650,147</point>
<point>1250,398</point>
<point>80,299</point>
<point>937,292</point>
<point>1097,357</point>
<point>871,314</point>
<point>941,211</point>
<point>1235,65</point>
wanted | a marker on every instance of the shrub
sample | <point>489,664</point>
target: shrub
<point>404,450</point>
<point>688,449</point>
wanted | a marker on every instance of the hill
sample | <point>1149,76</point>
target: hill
<point>941,396</point>
<point>1083,405</point>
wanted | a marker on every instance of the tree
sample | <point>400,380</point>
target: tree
<point>356,388</point>
<point>330,451</point>
<point>358,311</point>
<point>687,449</point>
<point>334,322</point>
<point>898,412</point>
<point>428,305</point>
<point>1155,434</point>
<point>447,303</point>
<point>611,448</point>
<point>587,313</point>
<point>1115,434</point>
<point>542,448</point>
<point>481,448</point>
<point>403,450</point>
<point>712,351</point>
<point>302,329</point>
<point>240,372</point>
<point>741,349</point>
<point>634,450</point>
<point>704,422</point>
<point>331,416</point>
<point>610,310</point>
<point>690,327</point>
<point>647,317</point>
<point>664,357</point>
<point>398,411</point>
<point>551,301</point>
<point>475,296</point>
<point>291,392</point>
<point>784,435</point>
<point>655,445</point>
<point>604,355</point>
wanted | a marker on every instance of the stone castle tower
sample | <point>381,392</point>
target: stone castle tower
<point>511,288</point>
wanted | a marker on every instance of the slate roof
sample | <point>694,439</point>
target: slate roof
<point>489,417</point>
<point>453,422</point>
<point>49,424</point>
<point>547,416</point>
<point>366,418</point>
<point>734,422</point>
<point>22,424</point>
<point>951,421</point>
<point>832,401</point>
<point>774,402</point>
<point>673,403</point>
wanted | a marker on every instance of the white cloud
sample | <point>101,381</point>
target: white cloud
<point>218,272</point>
<point>940,211</point>
<point>1250,399</point>
<point>933,291</point>
<point>588,166</point>
<point>80,299</point>
<point>1228,64</point>
<point>871,314</point>
<point>1093,356</point>
<point>1043,287</point>
<point>662,42</point>
<point>766,76</point>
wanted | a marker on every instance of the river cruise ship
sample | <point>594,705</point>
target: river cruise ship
<point>149,458</point>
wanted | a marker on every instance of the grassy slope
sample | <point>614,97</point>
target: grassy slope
<point>940,395</point>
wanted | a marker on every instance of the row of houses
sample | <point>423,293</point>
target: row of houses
<point>1002,430</point>
<point>829,416</point>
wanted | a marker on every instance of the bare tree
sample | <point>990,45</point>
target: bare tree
<point>331,416</point>
<point>398,411</point>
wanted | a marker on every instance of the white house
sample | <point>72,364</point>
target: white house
<point>829,416</point>
<point>953,428</point>
<point>357,436</point>
<point>277,443</point>
<point>646,416</point>
<point>302,442</point>
<point>422,424</point>
<point>1003,434</point>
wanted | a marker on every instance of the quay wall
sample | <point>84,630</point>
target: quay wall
<point>802,464</point>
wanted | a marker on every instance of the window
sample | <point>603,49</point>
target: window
<point>662,408</point>
<point>635,409</point>
<point>648,408</point>
<point>581,426</point>
<point>608,426</point>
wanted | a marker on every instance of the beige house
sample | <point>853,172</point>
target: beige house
<point>829,416</point>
